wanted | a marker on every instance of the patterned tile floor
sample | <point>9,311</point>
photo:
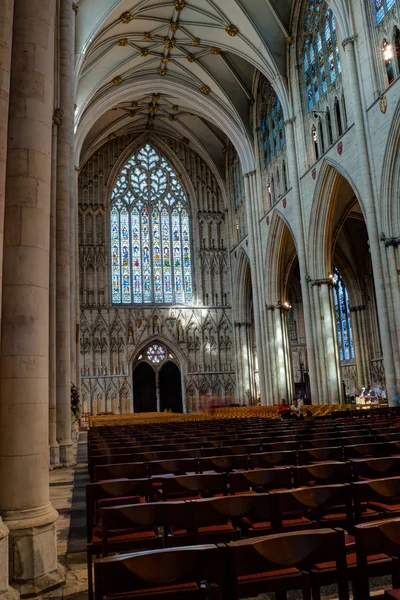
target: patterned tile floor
<point>67,493</point>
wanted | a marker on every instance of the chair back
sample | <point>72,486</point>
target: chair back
<point>322,474</point>
<point>207,484</point>
<point>120,471</point>
<point>260,479</point>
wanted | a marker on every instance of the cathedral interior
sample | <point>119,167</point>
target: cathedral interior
<point>199,238</point>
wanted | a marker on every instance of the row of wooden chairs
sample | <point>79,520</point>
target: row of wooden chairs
<point>276,563</point>
<point>156,464</point>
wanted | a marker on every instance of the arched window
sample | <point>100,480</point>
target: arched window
<point>321,60</point>
<point>150,233</point>
<point>388,57</point>
<point>343,321</point>
<point>238,183</point>
<point>272,122</point>
<point>381,8</point>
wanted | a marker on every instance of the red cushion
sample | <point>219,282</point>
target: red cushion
<point>123,535</point>
<point>256,524</point>
<point>282,572</point>
<point>383,506</point>
<point>392,595</point>
<point>351,560</point>
<point>222,527</point>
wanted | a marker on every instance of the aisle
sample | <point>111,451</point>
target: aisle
<point>67,494</point>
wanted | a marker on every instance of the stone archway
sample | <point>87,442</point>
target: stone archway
<point>144,388</point>
<point>170,385</point>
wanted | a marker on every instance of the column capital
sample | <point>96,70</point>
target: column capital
<point>290,121</point>
<point>319,282</point>
<point>75,8</point>
<point>58,116</point>
<point>358,308</point>
<point>271,307</point>
<point>393,241</point>
<point>349,40</point>
<point>250,173</point>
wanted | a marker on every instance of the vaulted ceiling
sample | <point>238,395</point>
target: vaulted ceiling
<point>179,67</point>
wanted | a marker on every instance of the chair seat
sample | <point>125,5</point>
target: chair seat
<point>350,542</point>
<point>385,507</point>
<point>221,527</point>
<point>268,574</point>
<point>166,588</point>
<point>351,560</point>
<point>123,535</point>
<point>256,524</point>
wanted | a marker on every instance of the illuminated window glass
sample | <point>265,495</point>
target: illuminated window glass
<point>381,8</point>
<point>321,61</point>
<point>151,258</point>
<point>272,122</point>
<point>343,320</point>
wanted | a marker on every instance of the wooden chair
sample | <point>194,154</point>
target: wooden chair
<point>120,471</point>
<point>128,457</point>
<point>376,468</point>
<point>260,480</point>
<point>132,528</point>
<point>322,474</point>
<point>304,508</point>
<point>224,464</point>
<point>267,460</point>
<point>378,553</point>
<point>109,493</point>
<point>315,455</point>
<point>181,466</point>
<point>364,450</point>
<point>217,520</point>
<point>190,487</point>
<point>280,563</point>
<point>190,573</point>
<point>376,499</point>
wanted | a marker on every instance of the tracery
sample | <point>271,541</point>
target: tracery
<point>150,233</point>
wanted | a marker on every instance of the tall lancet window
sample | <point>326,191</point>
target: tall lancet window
<point>381,8</point>
<point>343,321</point>
<point>151,258</point>
<point>321,61</point>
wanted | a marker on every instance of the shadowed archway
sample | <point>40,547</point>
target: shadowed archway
<point>170,388</point>
<point>144,389</point>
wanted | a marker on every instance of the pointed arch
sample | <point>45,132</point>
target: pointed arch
<point>150,229</point>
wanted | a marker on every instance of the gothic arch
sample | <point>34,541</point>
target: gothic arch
<point>322,230</point>
<point>243,273</point>
<point>390,181</point>
<point>280,229</point>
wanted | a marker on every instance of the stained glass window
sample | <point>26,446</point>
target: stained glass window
<point>381,8</point>
<point>272,122</point>
<point>151,257</point>
<point>321,61</point>
<point>156,354</point>
<point>343,320</point>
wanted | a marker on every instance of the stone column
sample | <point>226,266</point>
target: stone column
<point>6,28</point>
<point>301,253</point>
<point>24,458</point>
<point>256,279</point>
<point>53,444</point>
<point>65,184</point>
<point>328,356</point>
<point>370,218</point>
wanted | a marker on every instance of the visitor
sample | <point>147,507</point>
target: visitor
<point>284,409</point>
<point>295,410</point>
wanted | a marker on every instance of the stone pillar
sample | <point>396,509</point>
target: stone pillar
<point>65,184</point>
<point>301,253</point>
<point>53,444</point>
<point>6,27</point>
<point>24,459</point>
<point>158,391</point>
<point>370,218</point>
<point>256,279</point>
<point>328,356</point>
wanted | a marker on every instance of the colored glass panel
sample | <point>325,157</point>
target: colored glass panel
<point>115,255</point>
<point>136,256</point>
<point>166,246</point>
<point>343,319</point>
<point>177,249</point>
<point>187,262</point>
<point>148,266</point>
<point>321,51</point>
<point>272,124</point>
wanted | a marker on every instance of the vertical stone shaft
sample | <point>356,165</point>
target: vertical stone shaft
<point>63,216</point>
<point>53,444</point>
<point>6,16</point>
<point>24,473</point>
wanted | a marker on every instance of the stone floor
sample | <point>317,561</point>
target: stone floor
<point>67,493</point>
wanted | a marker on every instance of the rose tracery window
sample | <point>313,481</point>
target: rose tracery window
<point>156,354</point>
<point>150,233</point>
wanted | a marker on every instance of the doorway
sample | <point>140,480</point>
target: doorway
<point>170,388</point>
<point>144,389</point>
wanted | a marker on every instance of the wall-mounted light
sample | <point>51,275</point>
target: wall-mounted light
<point>387,51</point>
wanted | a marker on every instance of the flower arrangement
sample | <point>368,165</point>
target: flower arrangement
<point>75,402</point>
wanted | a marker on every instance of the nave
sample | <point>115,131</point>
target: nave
<point>222,491</point>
